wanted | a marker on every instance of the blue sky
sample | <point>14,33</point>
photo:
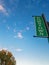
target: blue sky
<point>17,29</point>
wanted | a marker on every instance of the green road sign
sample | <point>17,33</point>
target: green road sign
<point>40,27</point>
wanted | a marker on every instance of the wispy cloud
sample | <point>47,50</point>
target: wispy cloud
<point>14,30</point>
<point>19,49</point>
<point>3,10</point>
<point>15,36</point>
<point>27,28</point>
<point>3,48</point>
<point>19,35</point>
<point>8,27</point>
<point>14,2</point>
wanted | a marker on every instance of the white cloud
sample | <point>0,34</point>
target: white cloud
<point>3,49</point>
<point>18,49</point>
<point>19,35</point>
<point>3,10</point>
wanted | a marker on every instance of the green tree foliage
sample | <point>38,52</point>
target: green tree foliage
<point>6,58</point>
